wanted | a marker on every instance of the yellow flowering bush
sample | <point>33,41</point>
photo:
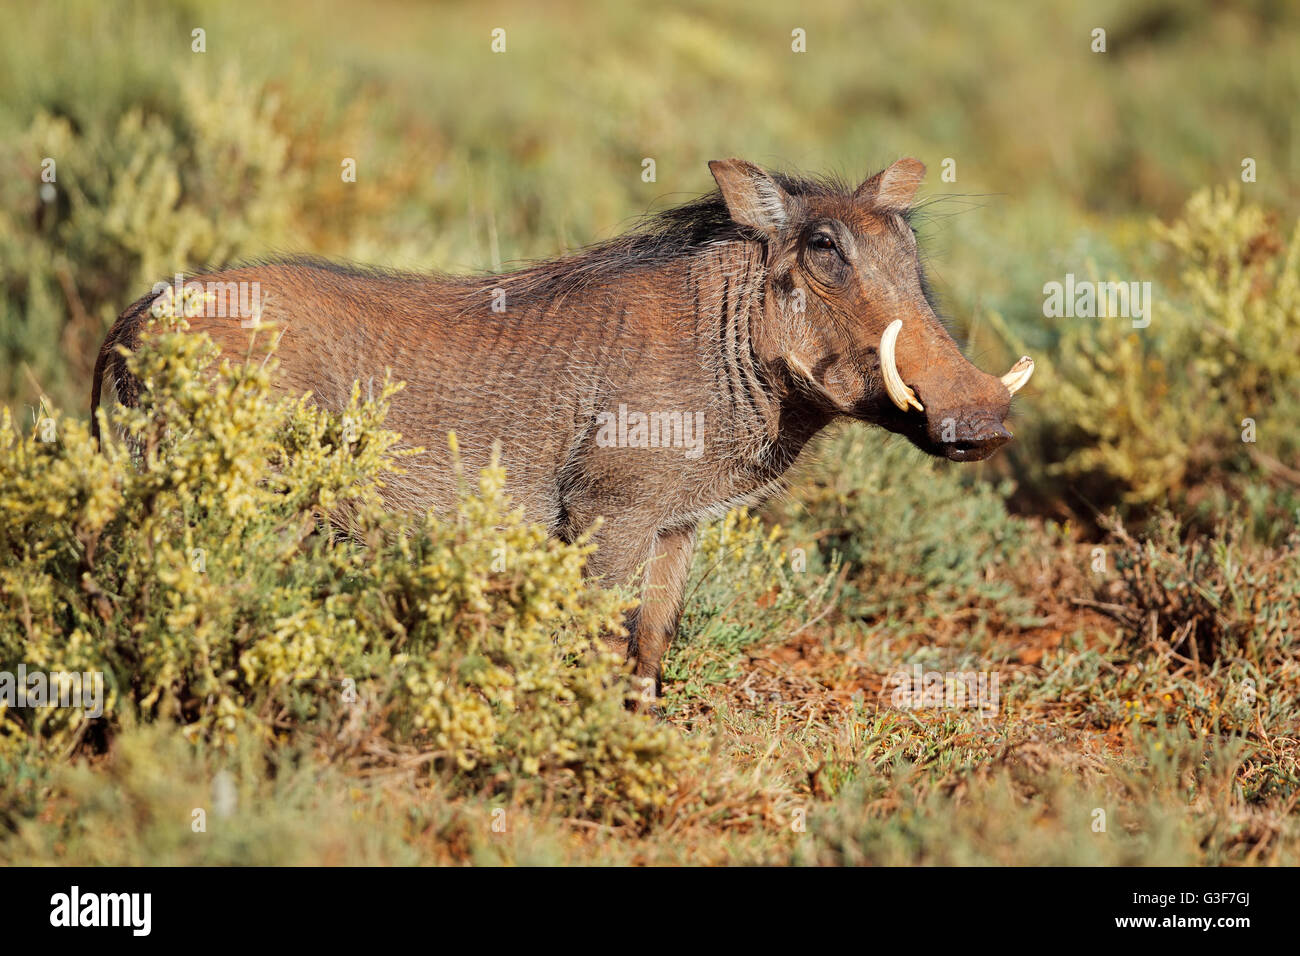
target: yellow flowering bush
<point>229,567</point>
<point>1201,405</point>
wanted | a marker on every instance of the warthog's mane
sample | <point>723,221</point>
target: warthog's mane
<point>656,239</point>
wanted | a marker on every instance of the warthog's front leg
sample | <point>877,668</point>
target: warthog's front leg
<point>661,607</point>
<point>622,548</point>
<point>625,546</point>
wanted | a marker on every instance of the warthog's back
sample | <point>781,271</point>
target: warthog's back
<point>493,360</point>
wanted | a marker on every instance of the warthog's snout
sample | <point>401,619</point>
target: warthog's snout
<point>951,408</point>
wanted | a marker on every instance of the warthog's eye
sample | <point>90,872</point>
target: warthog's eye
<point>822,242</point>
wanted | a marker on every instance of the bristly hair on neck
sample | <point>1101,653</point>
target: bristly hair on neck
<point>656,239</point>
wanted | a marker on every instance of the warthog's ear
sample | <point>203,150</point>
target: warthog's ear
<point>893,188</point>
<point>753,197</point>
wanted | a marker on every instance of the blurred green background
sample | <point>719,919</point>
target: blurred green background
<point>1065,159</point>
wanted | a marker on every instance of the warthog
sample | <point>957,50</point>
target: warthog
<point>655,380</point>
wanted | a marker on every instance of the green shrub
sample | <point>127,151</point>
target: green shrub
<point>136,197</point>
<point>200,575</point>
<point>746,588</point>
<point>1142,417</point>
<point>917,539</point>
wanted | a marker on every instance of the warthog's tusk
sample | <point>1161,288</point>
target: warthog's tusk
<point>1015,379</point>
<point>899,394</point>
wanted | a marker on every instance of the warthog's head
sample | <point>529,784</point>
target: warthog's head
<point>847,312</point>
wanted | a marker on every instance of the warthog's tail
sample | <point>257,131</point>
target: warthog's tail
<point>125,332</point>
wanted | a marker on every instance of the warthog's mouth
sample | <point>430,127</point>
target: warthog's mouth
<point>976,449</point>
